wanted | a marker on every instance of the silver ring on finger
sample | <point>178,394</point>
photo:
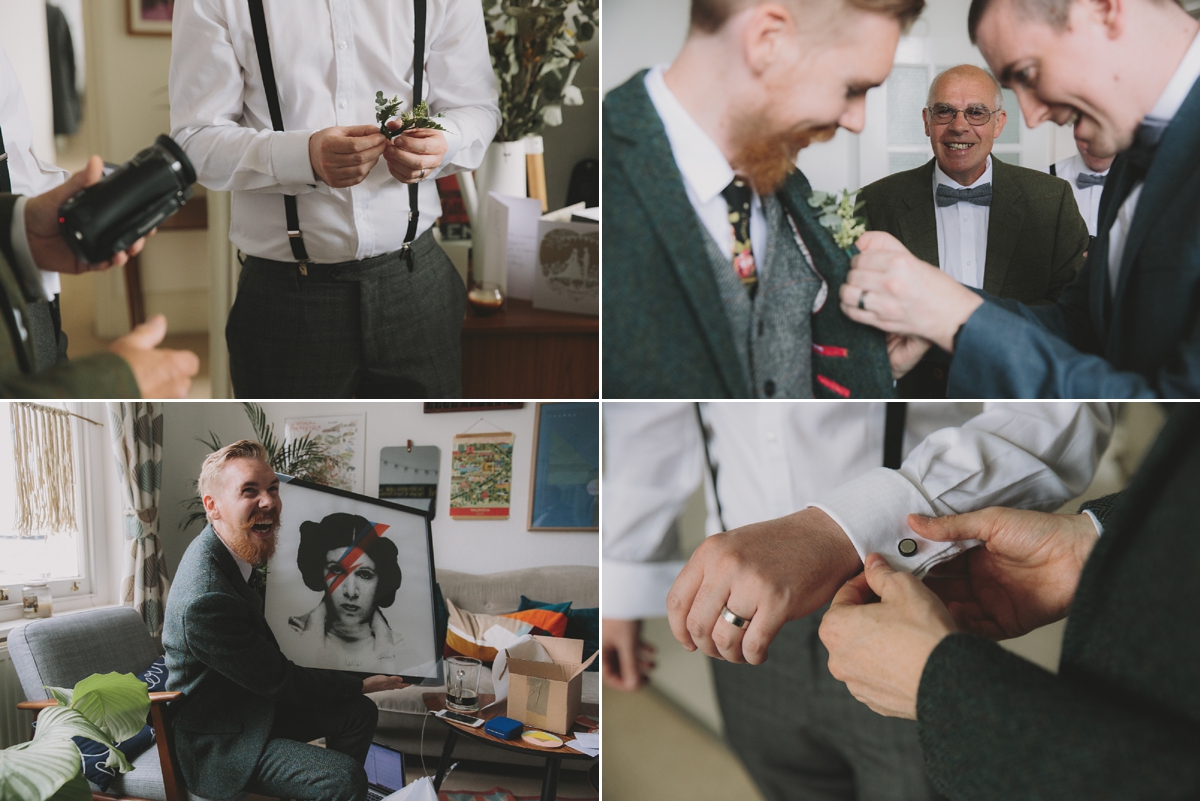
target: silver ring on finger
<point>862,300</point>
<point>421,177</point>
<point>734,620</point>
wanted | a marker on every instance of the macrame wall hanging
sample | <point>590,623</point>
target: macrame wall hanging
<point>43,452</point>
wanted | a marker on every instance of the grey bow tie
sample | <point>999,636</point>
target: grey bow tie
<point>979,195</point>
<point>1085,179</point>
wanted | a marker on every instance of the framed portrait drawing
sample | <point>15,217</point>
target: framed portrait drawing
<point>149,17</point>
<point>350,586</point>
<point>564,490</point>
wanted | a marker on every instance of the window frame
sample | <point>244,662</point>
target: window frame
<point>90,588</point>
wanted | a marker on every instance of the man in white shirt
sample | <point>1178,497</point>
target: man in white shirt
<point>810,740</point>
<point>1127,326</point>
<point>359,317</point>
<point>1086,174</point>
<point>987,224</point>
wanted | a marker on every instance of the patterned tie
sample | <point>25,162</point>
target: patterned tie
<point>1085,179</point>
<point>258,582</point>
<point>979,195</point>
<point>737,195</point>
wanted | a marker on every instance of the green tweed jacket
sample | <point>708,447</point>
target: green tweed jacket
<point>101,376</point>
<point>1121,720</point>
<point>666,334</point>
<point>222,656</point>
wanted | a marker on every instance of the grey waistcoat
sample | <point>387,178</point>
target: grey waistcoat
<point>772,333</point>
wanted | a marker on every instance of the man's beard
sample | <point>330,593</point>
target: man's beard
<point>765,162</point>
<point>249,546</point>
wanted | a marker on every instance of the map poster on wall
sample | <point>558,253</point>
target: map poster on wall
<point>481,476</point>
<point>343,440</point>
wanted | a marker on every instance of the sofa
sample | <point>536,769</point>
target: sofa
<point>403,722</point>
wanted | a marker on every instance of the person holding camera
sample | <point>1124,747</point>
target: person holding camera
<point>343,292</point>
<point>30,241</point>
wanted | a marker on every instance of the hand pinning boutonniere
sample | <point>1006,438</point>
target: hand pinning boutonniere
<point>417,118</point>
<point>838,216</point>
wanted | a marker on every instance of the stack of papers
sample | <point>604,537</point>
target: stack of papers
<point>586,743</point>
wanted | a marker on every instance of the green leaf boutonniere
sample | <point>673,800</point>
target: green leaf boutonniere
<point>417,118</point>
<point>838,216</point>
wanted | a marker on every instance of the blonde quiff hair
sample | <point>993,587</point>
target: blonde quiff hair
<point>709,16</point>
<point>214,465</point>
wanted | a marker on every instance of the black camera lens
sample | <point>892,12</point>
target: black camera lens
<point>108,217</point>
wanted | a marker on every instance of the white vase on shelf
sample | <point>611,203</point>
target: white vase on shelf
<point>502,170</point>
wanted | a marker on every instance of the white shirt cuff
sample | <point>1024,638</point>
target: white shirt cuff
<point>29,278</point>
<point>1095,522</point>
<point>289,158</point>
<point>873,510</point>
<point>637,590</point>
<point>454,143</point>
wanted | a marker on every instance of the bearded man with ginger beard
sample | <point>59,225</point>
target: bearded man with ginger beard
<point>719,281</point>
<point>248,712</point>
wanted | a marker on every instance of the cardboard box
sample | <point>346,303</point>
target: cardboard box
<point>545,694</point>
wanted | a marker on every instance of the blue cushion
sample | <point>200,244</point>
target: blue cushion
<point>582,624</point>
<point>94,755</point>
<point>155,676</point>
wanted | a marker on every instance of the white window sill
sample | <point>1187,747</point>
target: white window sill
<point>61,608</point>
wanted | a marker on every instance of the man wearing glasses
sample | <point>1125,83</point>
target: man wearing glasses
<point>1011,231</point>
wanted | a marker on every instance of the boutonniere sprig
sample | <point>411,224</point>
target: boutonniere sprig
<point>838,216</point>
<point>260,573</point>
<point>417,118</point>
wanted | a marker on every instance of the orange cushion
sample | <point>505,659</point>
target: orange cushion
<point>549,621</point>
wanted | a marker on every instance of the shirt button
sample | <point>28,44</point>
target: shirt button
<point>342,45</point>
<point>342,104</point>
<point>908,547</point>
<point>769,389</point>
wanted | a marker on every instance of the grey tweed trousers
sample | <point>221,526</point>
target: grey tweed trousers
<point>362,329</point>
<point>803,737</point>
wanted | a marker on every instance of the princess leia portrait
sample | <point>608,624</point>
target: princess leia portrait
<point>357,573</point>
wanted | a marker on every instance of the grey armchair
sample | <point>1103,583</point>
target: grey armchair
<point>60,651</point>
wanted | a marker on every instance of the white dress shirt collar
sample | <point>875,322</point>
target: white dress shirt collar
<point>702,164</point>
<point>1180,84</point>
<point>940,177</point>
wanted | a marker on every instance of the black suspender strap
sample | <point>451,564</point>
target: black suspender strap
<point>418,73</point>
<point>1053,171</point>
<point>893,435</point>
<point>5,181</point>
<point>712,469</point>
<point>262,43</point>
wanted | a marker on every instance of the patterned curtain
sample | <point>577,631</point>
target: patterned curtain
<point>137,430</point>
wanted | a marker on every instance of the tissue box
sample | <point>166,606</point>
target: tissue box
<point>545,682</point>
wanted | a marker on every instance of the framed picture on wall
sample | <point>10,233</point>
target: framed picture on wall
<point>564,489</point>
<point>350,586</point>
<point>149,17</point>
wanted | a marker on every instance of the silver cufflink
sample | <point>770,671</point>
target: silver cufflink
<point>908,546</point>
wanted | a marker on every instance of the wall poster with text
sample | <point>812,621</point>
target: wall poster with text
<point>481,476</point>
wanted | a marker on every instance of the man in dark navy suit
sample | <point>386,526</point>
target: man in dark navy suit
<point>1125,73</point>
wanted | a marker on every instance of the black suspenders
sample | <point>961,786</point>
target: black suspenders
<point>893,443</point>
<point>262,43</point>
<point>5,181</point>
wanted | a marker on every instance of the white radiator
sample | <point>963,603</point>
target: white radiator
<point>14,724</point>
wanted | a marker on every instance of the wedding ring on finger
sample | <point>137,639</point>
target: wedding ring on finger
<point>421,177</point>
<point>862,300</point>
<point>734,620</point>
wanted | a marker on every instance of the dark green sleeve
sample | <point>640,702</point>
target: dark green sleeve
<point>1070,243</point>
<point>995,726</point>
<point>102,375</point>
<point>1101,507</point>
<point>219,633</point>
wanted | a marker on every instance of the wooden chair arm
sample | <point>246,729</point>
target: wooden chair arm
<point>155,698</point>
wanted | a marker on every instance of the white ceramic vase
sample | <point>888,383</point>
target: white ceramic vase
<point>502,170</point>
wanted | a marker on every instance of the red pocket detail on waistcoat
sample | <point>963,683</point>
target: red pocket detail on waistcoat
<point>833,386</point>
<point>830,350</point>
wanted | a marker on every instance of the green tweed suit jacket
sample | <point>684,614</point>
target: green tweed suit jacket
<point>222,656</point>
<point>1121,720</point>
<point>1036,236</point>
<point>666,334</point>
<point>100,376</point>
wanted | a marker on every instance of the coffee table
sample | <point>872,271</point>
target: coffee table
<point>435,702</point>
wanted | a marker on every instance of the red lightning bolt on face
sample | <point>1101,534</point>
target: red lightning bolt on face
<point>349,560</point>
